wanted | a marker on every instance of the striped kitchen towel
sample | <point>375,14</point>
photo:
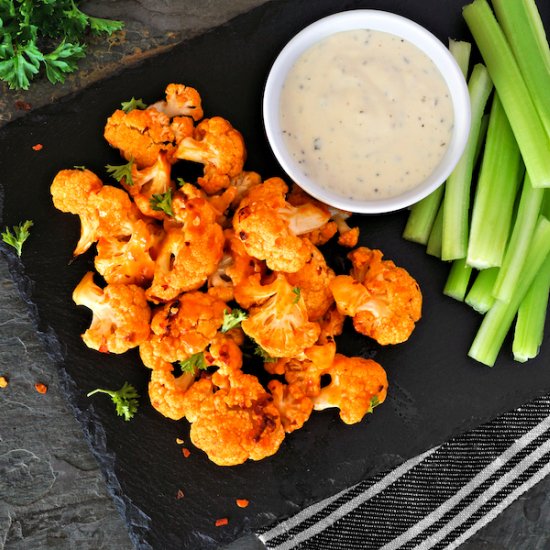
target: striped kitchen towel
<point>436,500</point>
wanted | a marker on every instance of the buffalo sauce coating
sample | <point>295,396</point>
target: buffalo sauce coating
<point>366,114</point>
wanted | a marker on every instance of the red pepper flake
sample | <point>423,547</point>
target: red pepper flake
<point>242,502</point>
<point>40,388</point>
<point>3,382</point>
<point>179,494</point>
<point>222,521</point>
<point>186,452</point>
<point>179,441</point>
<point>22,105</point>
<point>37,147</point>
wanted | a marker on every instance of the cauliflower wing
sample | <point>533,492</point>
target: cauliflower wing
<point>182,328</point>
<point>218,146</point>
<point>313,280</point>
<point>265,232</point>
<point>129,260</point>
<point>280,325</point>
<point>71,192</point>
<point>190,251</point>
<point>182,101</point>
<point>140,135</point>
<point>357,386</point>
<point>293,405</point>
<point>120,315</point>
<point>237,421</point>
<point>149,181</point>
<point>168,393</point>
<point>383,299</point>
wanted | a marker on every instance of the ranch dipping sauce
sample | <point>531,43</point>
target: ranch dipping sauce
<point>366,114</point>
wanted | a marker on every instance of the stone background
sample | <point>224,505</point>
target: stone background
<point>52,494</point>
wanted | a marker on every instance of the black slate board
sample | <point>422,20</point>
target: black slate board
<point>436,392</point>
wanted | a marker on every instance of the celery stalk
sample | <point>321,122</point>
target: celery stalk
<point>423,213</point>
<point>422,217</point>
<point>499,178</point>
<point>458,279</point>
<point>529,331</point>
<point>533,141</point>
<point>497,322</point>
<point>522,232</point>
<point>457,189</point>
<point>436,235</point>
<point>461,51</point>
<point>522,25</point>
<point>480,297</point>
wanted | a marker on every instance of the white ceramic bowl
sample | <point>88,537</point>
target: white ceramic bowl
<point>378,21</point>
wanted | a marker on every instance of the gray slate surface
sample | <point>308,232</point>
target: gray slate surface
<point>52,494</point>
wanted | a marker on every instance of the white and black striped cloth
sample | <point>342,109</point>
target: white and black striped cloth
<point>434,501</point>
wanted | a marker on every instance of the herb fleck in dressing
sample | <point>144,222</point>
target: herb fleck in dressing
<point>366,114</point>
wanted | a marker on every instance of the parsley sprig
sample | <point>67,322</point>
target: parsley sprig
<point>122,172</point>
<point>17,235</point>
<point>125,400</point>
<point>44,33</point>
<point>134,103</point>
<point>233,319</point>
<point>192,364</point>
<point>162,202</point>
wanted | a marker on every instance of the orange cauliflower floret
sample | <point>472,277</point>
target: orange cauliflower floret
<point>71,192</point>
<point>268,226</point>
<point>181,100</point>
<point>357,386</point>
<point>234,269</point>
<point>337,223</point>
<point>168,393</point>
<point>237,421</point>
<point>130,260</point>
<point>150,181</point>
<point>140,135</point>
<point>384,300</point>
<point>332,324</point>
<point>182,328</point>
<point>120,315</point>
<point>293,405</point>
<point>305,370</point>
<point>313,280</point>
<point>218,146</point>
<point>280,324</point>
<point>190,251</point>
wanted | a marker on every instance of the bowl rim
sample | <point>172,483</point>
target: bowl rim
<point>386,22</point>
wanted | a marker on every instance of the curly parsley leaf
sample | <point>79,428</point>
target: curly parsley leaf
<point>19,235</point>
<point>122,172</point>
<point>125,400</point>
<point>63,60</point>
<point>193,363</point>
<point>298,293</point>
<point>44,33</point>
<point>374,402</point>
<point>233,319</point>
<point>134,103</point>
<point>162,202</point>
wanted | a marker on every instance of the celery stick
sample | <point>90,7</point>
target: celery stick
<point>522,25</point>
<point>436,234</point>
<point>529,331</point>
<point>501,171</point>
<point>480,297</point>
<point>423,213</point>
<point>530,134</point>
<point>457,282</point>
<point>516,251</point>
<point>497,322</point>
<point>422,217</point>
<point>457,189</point>
<point>461,50</point>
